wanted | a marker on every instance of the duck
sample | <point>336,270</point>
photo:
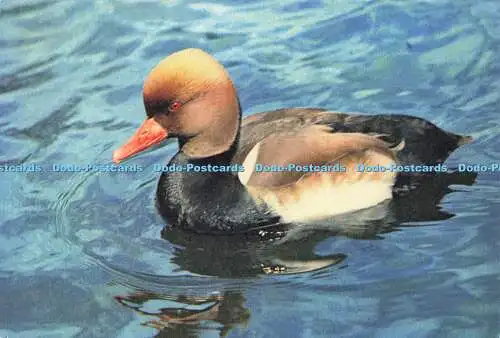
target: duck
<point>288,166</point>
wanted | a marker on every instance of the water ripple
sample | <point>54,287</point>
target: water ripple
<point>70,92</point>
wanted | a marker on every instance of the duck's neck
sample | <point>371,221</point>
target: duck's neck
<point>219,138</point>
<point>222,154</point>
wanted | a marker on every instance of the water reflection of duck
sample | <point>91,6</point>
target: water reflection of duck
<point>185,315</point>
<point>190,96</point>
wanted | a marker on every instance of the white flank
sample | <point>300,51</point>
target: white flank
<point>249,164</point>
<point>326,200</point>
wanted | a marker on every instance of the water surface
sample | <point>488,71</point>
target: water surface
<point>82,254</point>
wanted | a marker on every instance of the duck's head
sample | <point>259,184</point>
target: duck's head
<point>188,95</point>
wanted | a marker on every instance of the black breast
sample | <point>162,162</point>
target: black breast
<point>209,202</point>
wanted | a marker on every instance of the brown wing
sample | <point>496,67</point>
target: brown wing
<point>425,142</point>
<point>257,127</point>
<point>286,155</point>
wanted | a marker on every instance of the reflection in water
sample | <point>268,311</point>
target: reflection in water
<point>186,315</point>
<point>292,250</point>
<point>70,90</point>
<point>245,256</point>
<point>282,251</point>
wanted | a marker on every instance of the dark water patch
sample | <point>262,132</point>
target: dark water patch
<point>109,32</point>
<point>7,108</point>
<point>97,89</point>
<point>178,38</point>
<point>46,130</point>
<point>121,95</point>
<point>19,42</point>
<point>26,8</point>
<point>105,125</point>
<point>301,5</point>
<point>48,62</point>
<point>108,70</point>
<point>17,226</point>
<point>14,82</point>
<point>39,304</point>
<point>123,49</point>
<point>162,48</point>
<point>55,16</point>
<point>30,76</point>
<point>16,149</point>
<point>428,267</point>
<point>271,57</point>
<point>398,105</point>
<point>334,30</point>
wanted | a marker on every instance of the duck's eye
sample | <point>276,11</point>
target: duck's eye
<point>174,106</point>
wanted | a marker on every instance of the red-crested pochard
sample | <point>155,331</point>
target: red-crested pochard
<point>190,96</point>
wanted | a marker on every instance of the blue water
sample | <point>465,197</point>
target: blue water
<point>82,253</point>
